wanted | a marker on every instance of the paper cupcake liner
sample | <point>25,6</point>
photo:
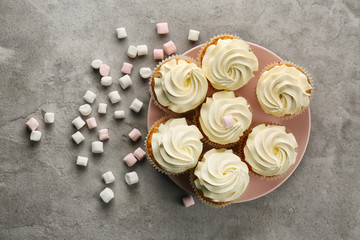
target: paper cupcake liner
<point>152,84</point>
<point>242,155</point>
<point>150,156</point>
<point>301,69</point>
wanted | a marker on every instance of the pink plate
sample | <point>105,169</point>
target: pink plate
<point>299,126</point>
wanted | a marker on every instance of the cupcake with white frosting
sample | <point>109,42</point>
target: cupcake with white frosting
<point>220,177</point>
<point>228,62</point>
<point>224,118</point>
<point>284,90</point>
<point>178,85</point>
<point>174,146</point>
<point>270,150</point>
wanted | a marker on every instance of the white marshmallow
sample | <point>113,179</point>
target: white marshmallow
<point>145,72</point>
<point>108,177</point>
<point>78,137</point>
<point>85,109</point>
<point>121,33</point>
<point>82,161</point>
<point>132,51</point>
<point>49,117</point>
<point>89,96</point>
<point>102,108</point>
<point>106,81</point>
<point>131,178</point>
<point>142,50</point>
<point>125,81</point>
<point>114,97</point>
<point>97,147</point>
<point>78,123</point>
<point>136,105</point>
<point>35,136</point>
<point>119,114</point>
<point>107,194</point>
<point>193,35</point>
<point>96,63</point>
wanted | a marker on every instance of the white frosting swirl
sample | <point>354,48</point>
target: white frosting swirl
<point>215,108</point>
<point>221,175</point>
<point>180,86</point>
<point>229,64</point>
<point>176,146</point>
<point>270,150</point>
<point>283,90</point>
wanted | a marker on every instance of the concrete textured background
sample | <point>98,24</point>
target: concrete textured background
<point>46,48</point>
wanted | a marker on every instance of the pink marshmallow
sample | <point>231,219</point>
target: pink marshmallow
<point>188,201</point>
<point>158,54</point>
<point>135,134</point>
<point>228,121</point>
<point>130,160</point>
<point>32,124</point>
<point>104,134</point>
<point>139,153</point>
<point>104,70</point>
<point>169,47</point>
<point>126,68</point>
<point>162,28</point>
<point>91,123</point>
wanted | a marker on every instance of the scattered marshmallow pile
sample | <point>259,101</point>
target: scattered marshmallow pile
<point>32,124</point>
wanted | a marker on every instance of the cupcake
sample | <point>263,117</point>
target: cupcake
<point>270,150</point>
<point>284,90</point>
<point>228,62</point>
<point>173,146</point>
<point>224,118</point>
<point>220,177</point>
<point>178,85</point>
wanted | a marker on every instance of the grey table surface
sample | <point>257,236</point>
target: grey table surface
<point>46,48</point>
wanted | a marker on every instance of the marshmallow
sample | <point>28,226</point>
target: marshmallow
<point>119,114</point>
<point>121,33</point>
<point>49,117</point>
<point>126,68</point>
<point>107,194</point>
<point>139,153</point>
<point>82,161</point>
<point>114,97</point>
<point>104,134</point>
<point>89,96</point>
<point>85,109</point>
<point>131,178</point>
<point>132,51</point>
<point>193,35</point>
<point>135,134</point>
<point>91,123</point>
<point>228,121</point>
<point>106,81</point>
<point>162,28</point>
<point>158,54</point>
<point>142,50</point>
<point>78,123</point>
<point>35,136</point>
<point>97,147</point>
<point>136,105</point>
<point>102,108</point>
<point>130,159</point>
<point>108,177</point>
<point>96,63</point>
<point>125,81</point>
<point>188,201</point>
<point>145,72</point>
<point>169,47</point>
<point>32,124</point>
<point>78,137</point>
<point>104,70</point>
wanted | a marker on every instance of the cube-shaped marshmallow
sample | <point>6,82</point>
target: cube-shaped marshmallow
<point>108,177</point>
<point>193,35</point>
<point>82,161</point>
<point>104,70</point>
<point>145,72</point>
<point>169,47</point>
<point>107,194</point>
<point>78,137</point>
<point>158,54</point>
<point>135,134</point>
<point>85,109</point>
<point>104,134</point>
<point>114,97</point>
<point>126,68</point>
<point>228,121</point>
<point>91,123</point>
<point>139,153</point>
<point>102,108</point>
<point>162,28</point>
<point>131,178</point>
<point>125,81</point>
<point>130,159</point>
<point>106,81</point>
<point>96,63</point>
<point>49,117</point>
<point>121,32</point>
<point>136,105</point>
<point>119,114</point>
<point>35,136</point>
<point>132,51</point>
<point>78,123</point>
<point>188,201</point>
<point>32,124</point>
<point>97,147</point>
<point>142,50</point>
<point>89,96</point>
